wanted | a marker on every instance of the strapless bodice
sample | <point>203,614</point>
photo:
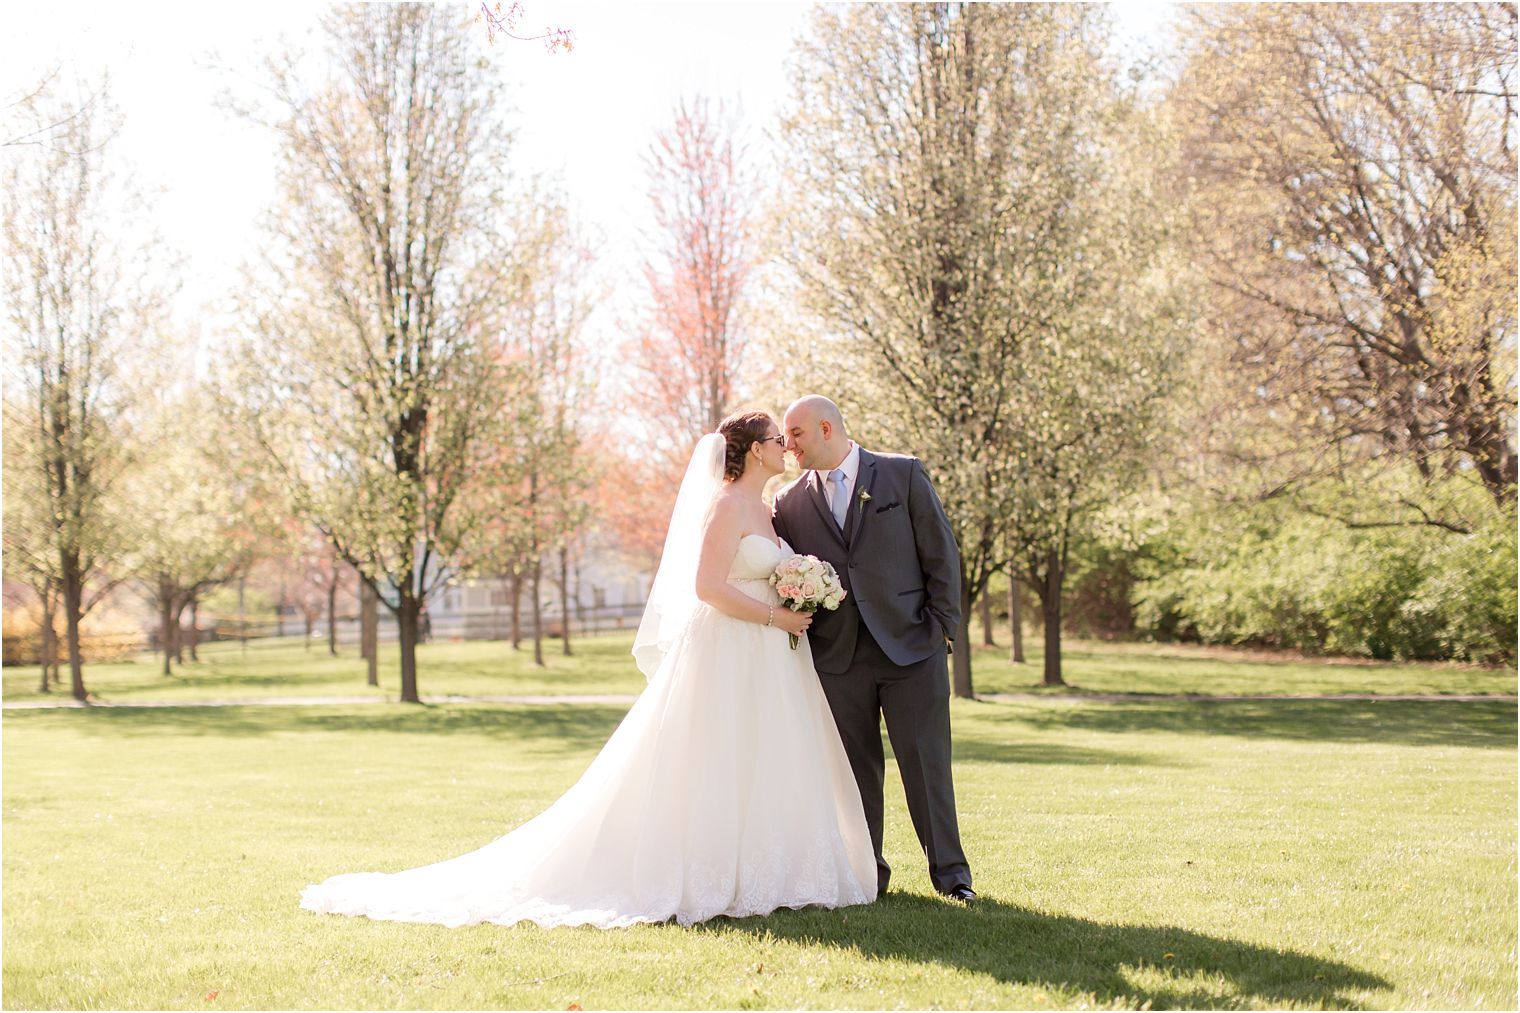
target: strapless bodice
<point>754,563</point>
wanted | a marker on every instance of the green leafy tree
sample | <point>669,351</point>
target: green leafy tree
<point>366,379</point>
<point>78,302</point>
<point>973,220</point>
<point>194,527</point>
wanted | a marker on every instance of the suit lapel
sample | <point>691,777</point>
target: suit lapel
<point>855,516</point>
<point>815,493</point>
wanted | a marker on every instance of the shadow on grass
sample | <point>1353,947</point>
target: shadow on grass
<point>1481,724</point>
<point>979,749</point>
<point>567,727</point>
<point>1115,963</point>
<point>562,727</point>
<point>1477,724</point>
<point>284,667</point>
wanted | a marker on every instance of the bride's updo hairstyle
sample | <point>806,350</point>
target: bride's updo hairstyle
<point>741,431</point>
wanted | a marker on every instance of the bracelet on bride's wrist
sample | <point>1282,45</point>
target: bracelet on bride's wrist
<point>770,614</point>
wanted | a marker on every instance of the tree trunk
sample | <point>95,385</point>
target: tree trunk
<point>1015,621</point>
<point>45,652</point>
<point>564,595</point>
<point>47,635</point>
<point>195,627</point>
<point>1051,600</point>
<point>407,616</point>
<point>369,632</point>
<point>311,624</point>
<point>516,611</point>
<point>332,611</point>
<point>960,661</point>
<point>365,596</point>
<point>73,613</point>
<point>179,639</point>
<point>984,607</point>
<point>538,615</point>
<point>165,623</point>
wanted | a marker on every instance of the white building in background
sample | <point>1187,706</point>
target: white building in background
<point>606,593</point>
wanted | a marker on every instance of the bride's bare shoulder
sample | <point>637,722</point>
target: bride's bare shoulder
<point>725,507</point>
<point>737,510</point>
<point>727,498</point>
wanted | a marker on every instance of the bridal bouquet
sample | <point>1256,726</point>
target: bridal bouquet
<point>806,584</point>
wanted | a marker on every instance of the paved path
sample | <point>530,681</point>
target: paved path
<point>617,699</point>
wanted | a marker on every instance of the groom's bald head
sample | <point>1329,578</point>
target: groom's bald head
<point>817,408</point>
<point>815,432</point>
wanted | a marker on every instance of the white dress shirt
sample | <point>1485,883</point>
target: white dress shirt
<point>851,468</point>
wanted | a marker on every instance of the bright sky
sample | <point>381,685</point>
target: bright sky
<point>587,115</point>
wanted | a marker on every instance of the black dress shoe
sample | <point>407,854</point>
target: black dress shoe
<point>962,893</point>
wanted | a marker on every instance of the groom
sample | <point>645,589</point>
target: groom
<point>877,519</point>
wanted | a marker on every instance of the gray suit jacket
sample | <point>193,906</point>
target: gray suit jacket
<point>896,557</point>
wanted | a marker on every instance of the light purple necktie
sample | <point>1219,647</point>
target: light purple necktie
<point>839,504</point>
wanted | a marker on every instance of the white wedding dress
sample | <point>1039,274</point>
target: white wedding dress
<point>725,791</point>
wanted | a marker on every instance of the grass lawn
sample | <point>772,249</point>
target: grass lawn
<point>1218,854</point>
<point>602,665</point>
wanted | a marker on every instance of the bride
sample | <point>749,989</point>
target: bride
<point>725,790</point>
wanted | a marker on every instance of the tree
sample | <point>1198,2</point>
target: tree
<point>75,308</point>
<point>504,23</point>
<point>328,570</point>
<point>30,556</point>
<point>688,350</point>
<point>369,631</point>
<point>195,529</point>
<point>309,571</point>
<point>33,130</point>
<point>540,467</point>
<point>366,378</point>
<point>971,221</point>
<point>634,515</point>
<point>1353,174</point>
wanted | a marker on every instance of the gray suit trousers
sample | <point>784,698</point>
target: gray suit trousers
<point>915,702</point>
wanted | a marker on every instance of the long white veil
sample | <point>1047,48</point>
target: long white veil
<point>673,595</point>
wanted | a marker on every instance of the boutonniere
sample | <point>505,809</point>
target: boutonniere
<point>865,497</point>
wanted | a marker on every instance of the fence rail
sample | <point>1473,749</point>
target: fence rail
<point>26,648</point>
